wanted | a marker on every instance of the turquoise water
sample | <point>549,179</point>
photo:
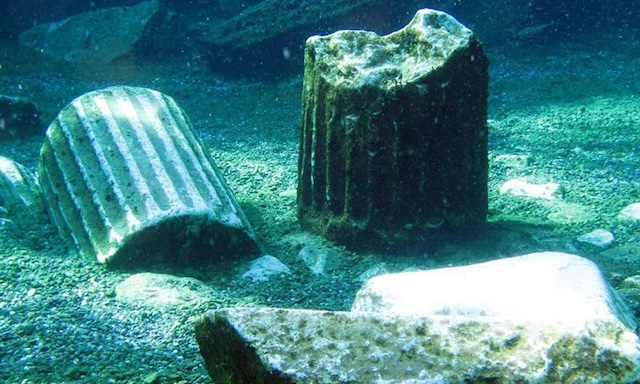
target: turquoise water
<point>564,96</point>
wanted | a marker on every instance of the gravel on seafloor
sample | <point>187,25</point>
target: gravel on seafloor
<point>571,110</point>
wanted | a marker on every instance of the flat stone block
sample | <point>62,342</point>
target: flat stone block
<point>268,345</point>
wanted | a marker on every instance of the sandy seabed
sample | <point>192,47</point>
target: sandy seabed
<point>572,109</point>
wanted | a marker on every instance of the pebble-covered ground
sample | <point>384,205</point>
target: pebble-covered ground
<point>570,109</point>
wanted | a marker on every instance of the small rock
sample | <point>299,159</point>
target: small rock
<point>152,378</point>
<point>631,282</point>
<point>600,238</point>
<point>513,161</point>
<point>315,258</point>
<point>263,268</point>
<point>515,187</point>
<point>160,290</point>
<point>630,212</point>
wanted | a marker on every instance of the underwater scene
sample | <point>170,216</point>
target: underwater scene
<point>336,191</point>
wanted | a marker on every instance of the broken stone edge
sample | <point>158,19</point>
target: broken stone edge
<point>307,346</point>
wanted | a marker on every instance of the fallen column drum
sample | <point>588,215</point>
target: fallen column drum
<point>128,182</point>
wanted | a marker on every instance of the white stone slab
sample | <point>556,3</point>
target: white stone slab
<point>549,287</point>
<point>515,187</point>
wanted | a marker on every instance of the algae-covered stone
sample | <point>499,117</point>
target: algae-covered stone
<point>128,181</point>
<point>546,317</point>
<point>394,133</point>
<point>271,345</point>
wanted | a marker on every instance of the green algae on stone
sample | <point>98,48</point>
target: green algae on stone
<point>394,133</point>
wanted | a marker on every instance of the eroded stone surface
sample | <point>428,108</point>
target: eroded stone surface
<point>303,346</point>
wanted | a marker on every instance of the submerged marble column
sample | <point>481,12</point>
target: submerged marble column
<point>128,182</point>
<point>394,133</point>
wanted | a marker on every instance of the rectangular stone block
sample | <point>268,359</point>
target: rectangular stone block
<point>278,346</point>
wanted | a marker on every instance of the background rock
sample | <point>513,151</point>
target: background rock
<point>241,36</point>
<point>270,32</point>
<point>17,16</point>
<point>97,38</point>
<point>20,193</point>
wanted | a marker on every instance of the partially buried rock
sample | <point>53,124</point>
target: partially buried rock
<point>630,213</point>
<point>545,287</point>
<point>264,268</point>
<point>94,39</point>
<point>539,318</point>
<point>162,291</point>
<point>128,182</point>
<point>394,133</point>
<point>599,237</point>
